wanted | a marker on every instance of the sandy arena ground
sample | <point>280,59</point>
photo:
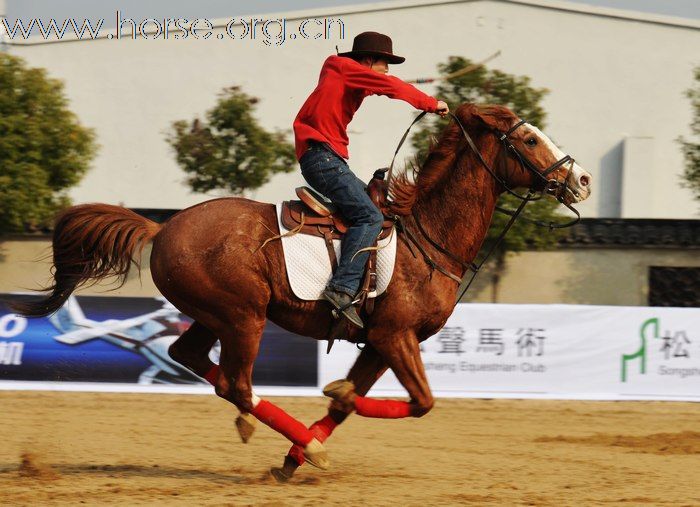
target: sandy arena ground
<point>84,448</point>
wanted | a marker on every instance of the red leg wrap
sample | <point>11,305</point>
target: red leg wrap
<point>321,430</point>
<point>282,422</point>
<point>384,409</point>
<point>212,375</point>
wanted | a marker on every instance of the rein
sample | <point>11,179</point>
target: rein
<point>541,184</point>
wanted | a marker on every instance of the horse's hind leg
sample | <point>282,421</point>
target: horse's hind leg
<point>191,350</point>
<point>367,369</point>
<point>240,340</point>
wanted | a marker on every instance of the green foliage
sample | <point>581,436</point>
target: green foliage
<point>691,150</point>
<point>229,150</point>
<point>43,148</point>
<point>488,86</point>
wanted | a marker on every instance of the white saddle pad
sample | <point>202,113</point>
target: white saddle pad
<point>309,267</point>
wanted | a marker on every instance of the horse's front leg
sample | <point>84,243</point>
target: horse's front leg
<point>401,351</point>
<point>367,369</point>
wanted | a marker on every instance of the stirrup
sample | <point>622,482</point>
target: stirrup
<point>338,312</point>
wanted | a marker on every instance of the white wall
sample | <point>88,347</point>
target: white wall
<point>638,182</point>
<point>610,79</point>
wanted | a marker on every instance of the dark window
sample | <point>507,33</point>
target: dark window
<point>674,286</point>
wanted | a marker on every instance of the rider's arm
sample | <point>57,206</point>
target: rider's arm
<point>359,77</point>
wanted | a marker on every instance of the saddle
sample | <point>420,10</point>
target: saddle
<point>313,214</point>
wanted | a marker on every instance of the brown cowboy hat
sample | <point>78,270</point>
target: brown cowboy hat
<point>373,44</point>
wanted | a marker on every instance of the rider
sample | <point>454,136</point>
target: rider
<point>322,147</point>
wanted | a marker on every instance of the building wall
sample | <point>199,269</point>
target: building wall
<point>25,265</point>
<point>566,276</point>
<point>610,78</point>
<point>580,276</point>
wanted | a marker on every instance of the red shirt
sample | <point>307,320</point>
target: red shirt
<point>342,86</point>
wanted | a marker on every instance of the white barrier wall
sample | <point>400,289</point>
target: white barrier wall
<point>553,351</point>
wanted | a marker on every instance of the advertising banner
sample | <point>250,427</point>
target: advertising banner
<point>554,351</point>
<point>488,351</point>
<point>125,340</point>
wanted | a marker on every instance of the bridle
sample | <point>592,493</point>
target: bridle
<point>540,178</point>
<point>540,182</point>
<point>541,185</point>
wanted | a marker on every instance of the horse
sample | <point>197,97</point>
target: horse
<point>207,260</point>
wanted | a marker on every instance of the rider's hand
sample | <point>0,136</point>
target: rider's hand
<point>442,108</point>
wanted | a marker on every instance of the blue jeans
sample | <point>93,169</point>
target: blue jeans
<point>330,175</point>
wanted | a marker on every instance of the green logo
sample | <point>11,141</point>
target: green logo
<point>642,352</point>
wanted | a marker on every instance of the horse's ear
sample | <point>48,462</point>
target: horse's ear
<point>494,117</point>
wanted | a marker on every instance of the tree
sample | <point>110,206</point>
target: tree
<point>488,86</point>
<point>691,151</point>
<point>229,150</point>
<point>43,148</point>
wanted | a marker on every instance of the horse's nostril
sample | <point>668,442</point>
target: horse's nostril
<point>584,180</point>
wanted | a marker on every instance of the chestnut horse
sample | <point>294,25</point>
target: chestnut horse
<point>207,261</point>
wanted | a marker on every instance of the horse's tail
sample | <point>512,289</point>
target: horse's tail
<point>91,242</point>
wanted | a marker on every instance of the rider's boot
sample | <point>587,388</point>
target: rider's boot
<point>343,303</point>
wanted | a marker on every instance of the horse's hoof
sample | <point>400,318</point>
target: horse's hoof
<point>279,475</point>
<point>340,390</point>
<point>316,455</point>
<point>245,424</point>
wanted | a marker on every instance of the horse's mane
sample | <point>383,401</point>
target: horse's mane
<point>404,190</point>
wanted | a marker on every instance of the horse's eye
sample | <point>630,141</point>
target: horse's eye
<point>531,142</point>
